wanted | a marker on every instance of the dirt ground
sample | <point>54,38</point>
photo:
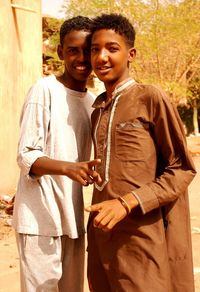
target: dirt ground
<point>9,263</point>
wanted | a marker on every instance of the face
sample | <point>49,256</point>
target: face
<point>76,55</point>
<point>110,56</point>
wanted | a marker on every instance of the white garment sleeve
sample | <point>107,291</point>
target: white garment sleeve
<point>34,125</point>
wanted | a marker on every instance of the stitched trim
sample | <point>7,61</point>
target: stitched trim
<point>107,166</point>
<point>140,202</point>
<point>116,95</point>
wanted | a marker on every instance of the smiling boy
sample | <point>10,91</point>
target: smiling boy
<point>55,138</point>
<point>139,227</point>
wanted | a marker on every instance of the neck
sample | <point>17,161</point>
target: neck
<point>109,92</point>
<point>110,87</point>
<point>71,83</point>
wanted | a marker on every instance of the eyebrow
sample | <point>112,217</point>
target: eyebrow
<point>71,47</point>
<point>108,43</point>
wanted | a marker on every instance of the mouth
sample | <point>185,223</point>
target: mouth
<point>103,69</point>
<point>82,68</point>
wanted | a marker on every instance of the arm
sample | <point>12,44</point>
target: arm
<point>173,177</point>
<point>81,172</point>
<point>175,166</point>
<point>32,154</point>
<point>112,211</point>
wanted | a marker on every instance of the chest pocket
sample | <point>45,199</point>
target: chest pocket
<point>131,140</point>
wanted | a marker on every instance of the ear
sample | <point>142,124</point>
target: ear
<point>132,54</point>
<point>60,52</point>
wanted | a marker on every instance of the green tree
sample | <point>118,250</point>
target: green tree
<point>193,93</point>
<point>168,48</point>
<point>167,40</point>
<point>51,61</point>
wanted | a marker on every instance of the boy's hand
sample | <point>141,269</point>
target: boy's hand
<point>84,173</point>
<point>110,213</point>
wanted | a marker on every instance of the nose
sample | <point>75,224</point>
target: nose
<point>82,56</point>
<point>103,55</point>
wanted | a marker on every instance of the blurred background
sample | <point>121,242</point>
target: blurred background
<point>168,54</point>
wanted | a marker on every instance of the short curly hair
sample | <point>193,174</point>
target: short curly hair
<point>74,23</point>
<point>116,22</point>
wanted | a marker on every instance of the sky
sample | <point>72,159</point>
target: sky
<point>51,8</point>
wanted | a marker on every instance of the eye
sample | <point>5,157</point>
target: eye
<point>113,49</point>
<point>94,50</point>
<point>72,50</point>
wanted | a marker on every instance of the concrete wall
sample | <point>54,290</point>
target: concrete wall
<point>21,66</point>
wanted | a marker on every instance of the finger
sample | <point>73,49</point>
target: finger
<point>106,229</point>
<point>114,221</point>
<point>101,215</point>
<point>83,181</point>
<point>111,224</point>
<point>89,179</point>
<point>101,221</point>
<point>87,175</point>
<point>98,180</point>
<point>95,175</point>
<point>94,162</point>
<point>93,208</point>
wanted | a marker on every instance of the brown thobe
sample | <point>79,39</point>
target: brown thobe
<point>139,137</point>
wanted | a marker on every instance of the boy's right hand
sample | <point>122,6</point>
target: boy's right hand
<point>83,172</point>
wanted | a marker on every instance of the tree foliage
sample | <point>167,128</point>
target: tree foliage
<point>51,62</point>
<point>167,40</point>
<point>168,37</point>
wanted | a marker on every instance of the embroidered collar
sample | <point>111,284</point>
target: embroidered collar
<point>121,86</point>
<point>100,101</point>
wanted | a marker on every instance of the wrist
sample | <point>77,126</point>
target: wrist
<point>131,200</point>
<point>124,204</point>
<point>69,169</point>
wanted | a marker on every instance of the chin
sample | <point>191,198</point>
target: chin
<point>83,77</point>
<point>105,79</point>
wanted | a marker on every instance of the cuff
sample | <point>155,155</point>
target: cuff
<point>146,198</point>
<point>28,159</point>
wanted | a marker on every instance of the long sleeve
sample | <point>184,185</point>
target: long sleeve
<point>175,168</point>
<point>34,125</point>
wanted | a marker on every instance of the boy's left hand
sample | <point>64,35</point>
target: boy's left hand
<point>110,213</point>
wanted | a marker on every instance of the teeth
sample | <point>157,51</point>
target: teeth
<point>81,67</point>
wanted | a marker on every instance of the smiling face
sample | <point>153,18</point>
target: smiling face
<point>76,55</point>
<point>110,57</point>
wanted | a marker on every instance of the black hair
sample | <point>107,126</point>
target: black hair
<point>116,22</point>
<point>74,23</point>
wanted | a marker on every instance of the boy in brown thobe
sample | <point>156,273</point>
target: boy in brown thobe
<point>139,227</point>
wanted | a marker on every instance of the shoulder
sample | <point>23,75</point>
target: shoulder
<point>152,93</point>
<point>40,91</point>
<point>46,82</point>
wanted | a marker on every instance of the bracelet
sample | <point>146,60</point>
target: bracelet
<point>125,205</point>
